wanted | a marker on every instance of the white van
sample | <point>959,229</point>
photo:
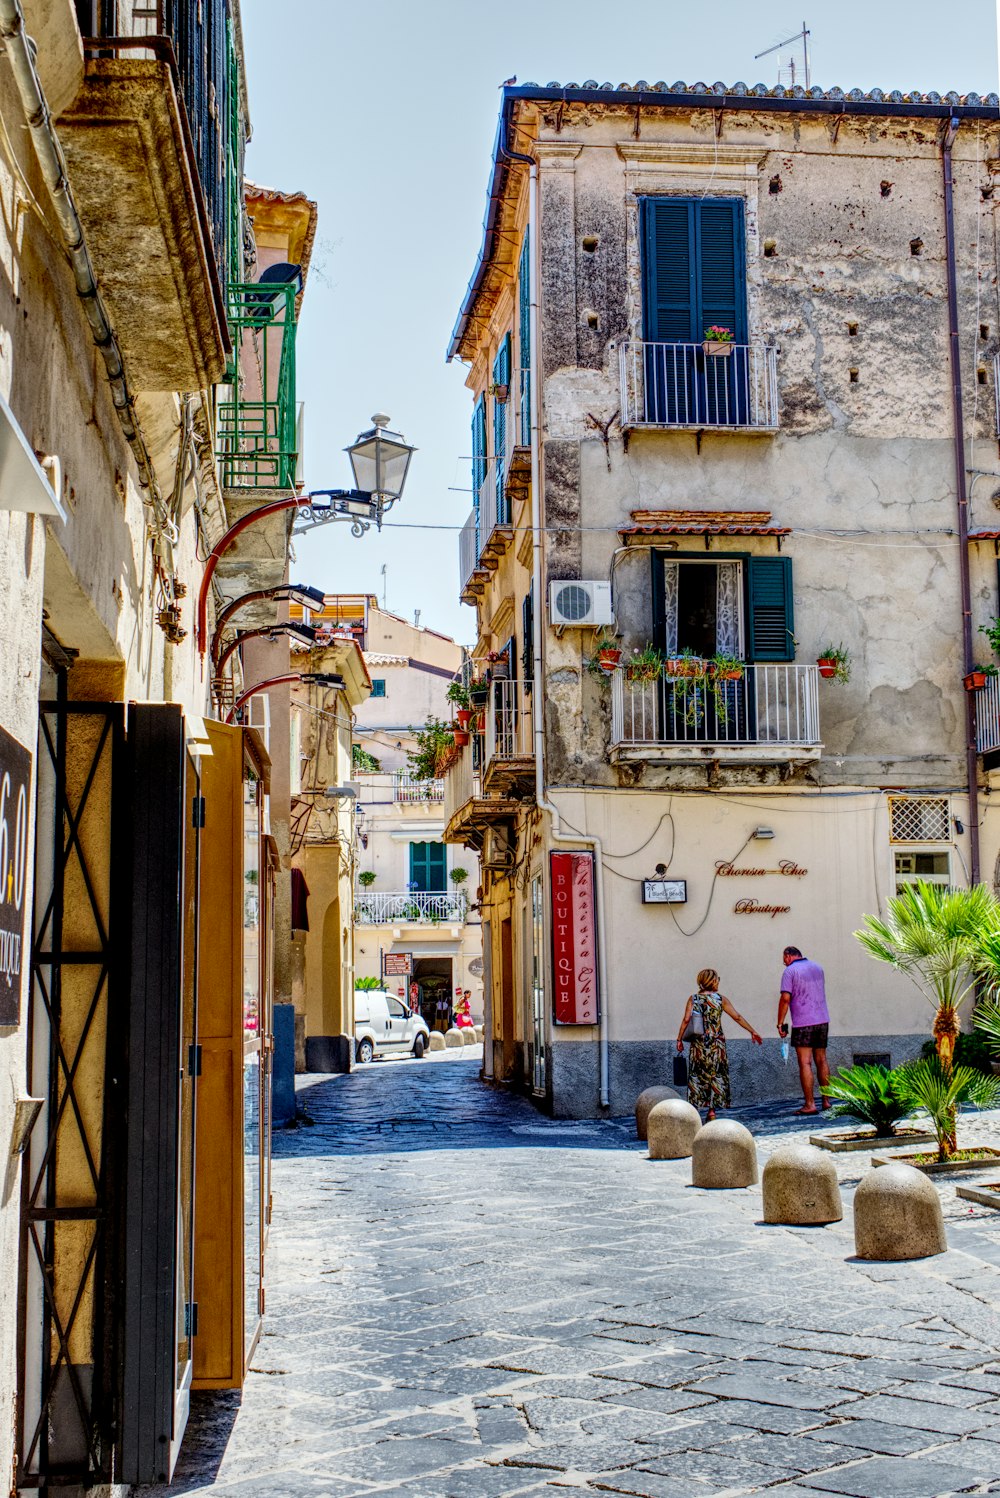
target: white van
<point>383,1026</point>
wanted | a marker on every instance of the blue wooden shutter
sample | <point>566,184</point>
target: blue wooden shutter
<point>501,376</point>
<point>721,264</point>
<point>524,341</point>
<point>478,460</point>
<point>769,591</point>
<point>669,266</point>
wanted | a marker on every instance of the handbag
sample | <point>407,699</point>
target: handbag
<point>680,1070</point>
<point>696,1024</point>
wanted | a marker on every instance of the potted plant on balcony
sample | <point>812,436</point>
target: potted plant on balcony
<point>718,341</point>
<point>644,665</point>
<point>479,692</point>
<point>500,392</point>
<point>460,735</point>
<point>608,653</point>
<point>835,663</point>
<point>458,695</point>
<point>977,677</point>
<point>499,665</point>
<point>687,665</point>
<point>726,668</point>
<point>367,878</point>
<point>435,750</point>
<point>458,876</point>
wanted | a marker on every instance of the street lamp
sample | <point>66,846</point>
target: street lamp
<point>380,460</point>
<point>303,634</point>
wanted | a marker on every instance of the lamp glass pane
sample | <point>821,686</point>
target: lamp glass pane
<point>380,462</point>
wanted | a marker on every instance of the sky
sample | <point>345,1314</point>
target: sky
<point>386,115</point>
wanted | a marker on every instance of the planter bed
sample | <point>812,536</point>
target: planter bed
<point>982,1158</point>
<point>987,1194</point>
<point>867,1141</point>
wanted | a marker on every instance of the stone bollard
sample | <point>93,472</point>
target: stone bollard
<point>647,1100</point>
<point>801,1187</point>
<point>897,1215</point>
<point>479,1033</point>
<point>671,1127</point>
<point>453,1037</point>
<point>436,1041</point>
<point>724,1156</point>
<point>469,1036</point>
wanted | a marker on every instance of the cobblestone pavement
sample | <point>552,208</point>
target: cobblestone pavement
<point>466,1300</point>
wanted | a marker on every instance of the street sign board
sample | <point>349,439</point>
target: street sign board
<point>574,938</point>
<point>397,964</point>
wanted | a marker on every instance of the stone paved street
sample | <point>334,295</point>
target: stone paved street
<point>466,1300</point>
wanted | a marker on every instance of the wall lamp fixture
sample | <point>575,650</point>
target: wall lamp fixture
<point>300,593</point>
<point>303,633</point>
<point>320,678</point>
<point>763,834</point>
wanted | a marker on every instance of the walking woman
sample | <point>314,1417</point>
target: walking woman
<point>708,1061</point>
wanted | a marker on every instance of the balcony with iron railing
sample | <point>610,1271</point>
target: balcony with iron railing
<point>410,908</point>
<point>667,386</point>
<point>769,715</point>
<point>508,744</point>
<point>500,485</point>
<point>988,717</point>
<point>256,431</point>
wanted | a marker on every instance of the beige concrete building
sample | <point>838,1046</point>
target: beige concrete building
<point>824,475</point>
<point>147,386</point>
<point>419,901</point>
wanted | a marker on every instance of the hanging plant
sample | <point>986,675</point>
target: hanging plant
<point>835,663</point>
<point>644,665</point>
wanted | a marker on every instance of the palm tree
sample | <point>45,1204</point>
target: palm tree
<point>926,1086</point>
<point>871,1095</point>
<point>933,934</point>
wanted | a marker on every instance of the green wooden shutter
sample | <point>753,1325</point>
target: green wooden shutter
<point>669,270</point>
<point>428,868</point>
<point>769,591</point>
<point>501,376</point>
<point>478,461</point>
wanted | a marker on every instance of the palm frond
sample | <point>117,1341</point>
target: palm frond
<point>986,1022</point>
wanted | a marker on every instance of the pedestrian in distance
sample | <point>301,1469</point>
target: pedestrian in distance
<point>803,999</point>
<point>708,1059</point>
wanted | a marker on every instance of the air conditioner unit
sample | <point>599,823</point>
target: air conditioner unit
<point>497,852</point>
<point>580,604</point>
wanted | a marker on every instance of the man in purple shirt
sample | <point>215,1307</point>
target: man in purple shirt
<point>803,992</point>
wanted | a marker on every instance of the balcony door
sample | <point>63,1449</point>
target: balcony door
<point>694,277</point>
<point>428,868</point>
<point>704,611</point>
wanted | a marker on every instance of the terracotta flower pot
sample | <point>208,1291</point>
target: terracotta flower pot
<point>608,658</point>
<point>463,716</point>
<point>975,681</point>
<point>827,667</point>
<point>461,738</point>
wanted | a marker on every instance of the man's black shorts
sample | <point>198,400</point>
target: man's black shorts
<point>813,1036</point>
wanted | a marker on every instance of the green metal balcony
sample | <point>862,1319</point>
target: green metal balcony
<point>256,413</point>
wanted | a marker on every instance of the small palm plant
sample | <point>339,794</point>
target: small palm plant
<point>871,1095</point>
<point>929,1088</point>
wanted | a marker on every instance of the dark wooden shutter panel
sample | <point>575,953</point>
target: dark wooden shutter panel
<point>721,290</point>
<point>669,270</point>
<point>528,638</point>
<point>524,305</point>
<point>769,587</point>
<point>501,376</point>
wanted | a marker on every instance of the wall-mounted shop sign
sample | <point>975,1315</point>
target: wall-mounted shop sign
<point>15,784</point>
<point>788,867</point>
<point>664,891</point>
<point>753,907</point>
<point>574,938</point>
<point>397,964</point>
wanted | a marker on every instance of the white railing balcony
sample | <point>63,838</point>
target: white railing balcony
<point>408,908</point>
<point>462,782</point>
<point>988,716</point>
<point>666,385</point>
<point>494,508</point>
<point>508,722</point>
<point>407,788</point>
<point>770,712</point>
<point>468,551</point>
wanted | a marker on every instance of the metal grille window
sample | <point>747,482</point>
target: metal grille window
<point>919,819</point>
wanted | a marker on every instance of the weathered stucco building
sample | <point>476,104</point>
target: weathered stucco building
<point>147,377</point>
<point>827,477</point>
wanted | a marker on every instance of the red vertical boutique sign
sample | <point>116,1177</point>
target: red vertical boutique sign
<point>574,938</point>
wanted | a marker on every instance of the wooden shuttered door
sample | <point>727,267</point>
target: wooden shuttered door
<point>478,462</point>
<point>501,376</point>
<point>523,436</point>
<point>770,636</point>
<point>693,268</point>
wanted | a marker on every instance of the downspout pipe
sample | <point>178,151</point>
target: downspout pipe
<point>961,495</point>
<point>538,716</point>
<point>53,165</point>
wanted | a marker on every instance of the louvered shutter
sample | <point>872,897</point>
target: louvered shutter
<point>478,462</point>
<point>528,638</point>
<point>769,587</point>
<point>501,376</point>
<point>721,267</point>
<point>669,270</point>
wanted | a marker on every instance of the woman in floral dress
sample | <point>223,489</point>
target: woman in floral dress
<point>708,1060</point>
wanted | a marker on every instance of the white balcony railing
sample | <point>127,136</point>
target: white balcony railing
<point>508,722</point>
<point>407,788</point>
<point>988,716</point>
<point>462,783</point>
<point>769,705</point>
<point>406,908</point>
<point>678,385</point>
<point>468,551</point>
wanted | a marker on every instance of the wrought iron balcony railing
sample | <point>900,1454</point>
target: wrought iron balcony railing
<point>406,908</point>
<point>508,722</point>
<point>988,716</point>
<point>256,414</point>
<point>768,706</point>
<point>669,385</point>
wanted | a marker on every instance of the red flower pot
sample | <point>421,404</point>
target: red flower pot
<point>975,681</point>
<point>461,737</point>
<point>463,716</point>
<point>827,668</point>
<point>608,658</point>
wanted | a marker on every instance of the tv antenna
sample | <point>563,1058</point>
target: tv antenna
<point>800,36</point>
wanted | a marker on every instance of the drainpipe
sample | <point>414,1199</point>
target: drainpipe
<point>538,725</point>
<point>53,165</point>
<point>958,423</point>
